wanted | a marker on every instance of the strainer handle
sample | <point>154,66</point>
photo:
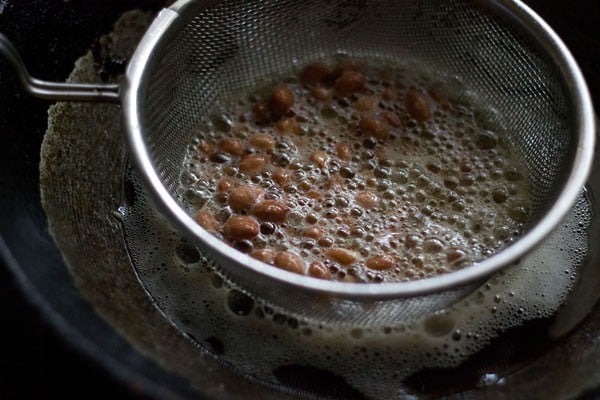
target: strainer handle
<point>57,91</point>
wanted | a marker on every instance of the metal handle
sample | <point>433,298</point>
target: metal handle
<point>56,90</point>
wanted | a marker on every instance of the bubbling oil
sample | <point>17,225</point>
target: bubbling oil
<point>261,341</point>
<point>432,194</point>
<point>389,182</point>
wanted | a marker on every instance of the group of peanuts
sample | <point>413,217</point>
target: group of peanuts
<point>253,212</point>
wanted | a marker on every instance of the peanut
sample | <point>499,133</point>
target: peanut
<point>314,74</point>
<point>365,103</point>
<point>389,94</point>
<point>225,185</point>
<point>271,211</point>
<point>366,199</point>
<point>289,261</point>
<point>320,93</point>
<point>252,163</point>
<point>260,113</point>
<point>318,270</point>
<point>342,256</point>
<point>440,98</point>
<point>281,176</point>
<point>372,126</point>
<point>314,233</point>
<point>207,220</point>
<point>417,105</point>
<point>281,101</point>
<point>349,83</point>
<point>231,146</point>
<point>380,263</point>
<point>343,151</point>
<point>205,147</point>
<point>262,141</point>
<point>391,118</point>
<point>319,158</point>
<point>264,255</point>
<point>242,198</point>
<point>287,126</point>
<point>240,227</point>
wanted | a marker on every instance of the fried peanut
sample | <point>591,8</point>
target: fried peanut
<point>252,163</point>
<point>231,146</point>
<point>271,211</point>
<point>350,82</point>
<point>417,105</point>
<point>366,199</point>
<point>318,270</point>
<point>262,141</point>
<point>342,256</point>
<point>207,220</point>
<point>240,227</point>
<point>380,263</point>
<point>289,261</point>
<point>287,126</point>
<point>281,101</point>
<point>242,198</point>
<point>314,74</point>
<point>372,126</point>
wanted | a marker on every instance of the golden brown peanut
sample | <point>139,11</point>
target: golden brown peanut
<point>264,255</point>
<point>240,227</point>
<point>389,94</point>
<point>231,146</point>
<point>343,151</point>
<point>205,147</point>
<point>313,195</point>
<point>252,163</point>
<point>380,263</point>
<point>319,158</point>
<point>260,112</point>
<point>350,82</point>
<point>225,185</point>
<point>314,74</point>
<point>271,211</point>
<point>454,254</point>
<point>321,93</point>
<point>289,261</point>
<point>342,256</point>
<point>365,103</point>
<point>242,198</point>
<point>417,105</point>
<point>366,199</point>
<point>262,141</point>
<point>314,233</point>
<point>287,126</point>
<point>391,118</point>
<point>372,126</point>
<point>440,98</point>
<point>318,270</point>
<point>347,65</point>
<point>207,220</point>
<point>281,176</point>
<point>281,101</point>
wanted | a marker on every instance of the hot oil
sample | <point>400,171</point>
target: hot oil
<point>353,362</point>
<point>468,345</point>
<point>411,193</point>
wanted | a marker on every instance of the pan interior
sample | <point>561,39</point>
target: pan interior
<point>158,291</point>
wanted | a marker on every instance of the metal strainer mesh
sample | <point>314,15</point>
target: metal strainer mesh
<point>483,52</point>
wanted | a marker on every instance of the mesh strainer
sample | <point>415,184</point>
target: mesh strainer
<point>199,52</point>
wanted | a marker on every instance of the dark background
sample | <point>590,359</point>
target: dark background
<point>35,360</point>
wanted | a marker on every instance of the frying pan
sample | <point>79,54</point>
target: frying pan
<point>51,35</point>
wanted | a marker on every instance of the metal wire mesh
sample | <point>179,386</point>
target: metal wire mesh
<point>231,45</point>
